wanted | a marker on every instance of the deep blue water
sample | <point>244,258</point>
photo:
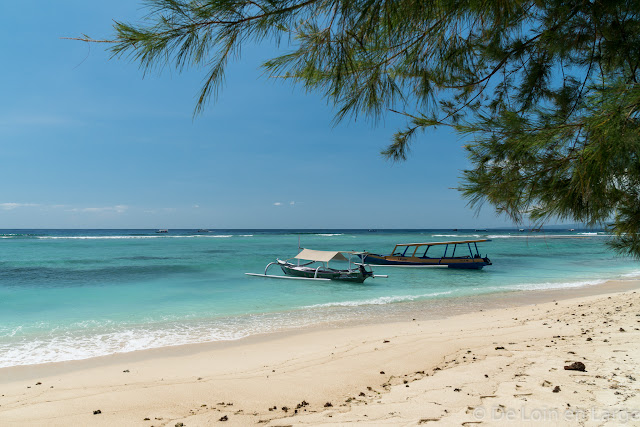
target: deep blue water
<point>73,294</point>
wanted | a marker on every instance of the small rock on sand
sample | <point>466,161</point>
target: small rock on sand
<point>576,366</point>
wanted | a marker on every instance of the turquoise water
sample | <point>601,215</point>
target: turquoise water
<point>74,294</point>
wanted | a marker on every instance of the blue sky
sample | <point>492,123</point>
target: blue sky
<point>87,142</point>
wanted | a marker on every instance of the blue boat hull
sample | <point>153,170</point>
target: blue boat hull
<point>450,262</point>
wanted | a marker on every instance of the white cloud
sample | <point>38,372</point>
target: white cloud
<point>117,209</point>
<point>104,209</point>
<point>196,206</point>
<point>11,206</point>
<point>292,203</point>
<point>277,204</point>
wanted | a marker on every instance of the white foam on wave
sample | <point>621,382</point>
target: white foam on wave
<point>97,237</point>
<point>631,274</point>
<point>75,347</point>
<point>330,234</point>
<point>163,236</point>
<point>555,285</point>
<point>522,235</point>
<point>455,235</point>
<point>543,235</point>
<point>377,301</point>
<point>541,286</point>
<point>88,339</point>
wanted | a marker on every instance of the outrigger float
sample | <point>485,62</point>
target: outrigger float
<point>411,255</point>
<point>309,271</point>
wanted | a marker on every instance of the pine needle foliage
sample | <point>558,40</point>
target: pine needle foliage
<point>546,91</point>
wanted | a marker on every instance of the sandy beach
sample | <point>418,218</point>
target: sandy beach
<point>501,365</point>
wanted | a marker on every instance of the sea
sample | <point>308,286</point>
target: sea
<point>76,294</point>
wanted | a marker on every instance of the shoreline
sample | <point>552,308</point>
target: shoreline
<point>342,365</point>
<point>429,309</point>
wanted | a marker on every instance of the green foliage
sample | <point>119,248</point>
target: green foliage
<point>547,91</point>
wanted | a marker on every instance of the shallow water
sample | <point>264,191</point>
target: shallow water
<point>74,294</point>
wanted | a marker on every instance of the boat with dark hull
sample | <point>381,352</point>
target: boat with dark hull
<point>357,275</point>
<point>317,267</point>
<point>417,255</point>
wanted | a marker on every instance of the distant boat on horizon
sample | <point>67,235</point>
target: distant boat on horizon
<point>204,230</point>
<point>162,230</point>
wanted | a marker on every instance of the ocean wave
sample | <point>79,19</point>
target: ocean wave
<point>631,274</point>
<point>74,347</point>
<point>329,234</point>
<point>522,235</point>
<point>99,237</point>
<point>542,235</point>
<point>378,301</point>
<point>91,338</point>
<point>555,285</point>
<point>162,236</point>
<point>455,235</point>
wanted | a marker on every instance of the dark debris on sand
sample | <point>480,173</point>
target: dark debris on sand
<point>576,366</point>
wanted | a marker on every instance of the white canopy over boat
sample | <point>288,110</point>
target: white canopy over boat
<point>321,256</point>
<point>318,256</point>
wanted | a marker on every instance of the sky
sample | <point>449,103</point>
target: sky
<point>89,141</point>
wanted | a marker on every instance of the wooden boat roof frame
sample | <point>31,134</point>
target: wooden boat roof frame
<point>395,251</point>
<point>457,242</point>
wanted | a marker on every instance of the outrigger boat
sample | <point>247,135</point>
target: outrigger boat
<point>308,271</point>
<point>412,255</point>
